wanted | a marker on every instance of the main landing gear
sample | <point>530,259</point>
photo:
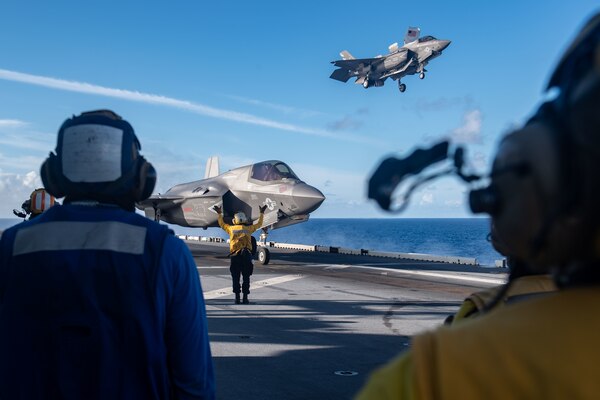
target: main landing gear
<point>401,87</point>
<point>422,75</point>
<point>366,83</point>
<point>156,212</point>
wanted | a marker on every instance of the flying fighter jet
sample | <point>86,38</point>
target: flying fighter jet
<point>272,183</point>
<point>410,59</point>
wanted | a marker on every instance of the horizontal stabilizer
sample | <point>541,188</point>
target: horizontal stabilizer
<point>345,54</point>
<point>341,75</point>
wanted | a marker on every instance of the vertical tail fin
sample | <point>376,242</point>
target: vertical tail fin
<point>346,55</point>
<point>412,34</point>
<point>212,167</point>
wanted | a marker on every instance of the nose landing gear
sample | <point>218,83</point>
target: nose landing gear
<point>264,255</point>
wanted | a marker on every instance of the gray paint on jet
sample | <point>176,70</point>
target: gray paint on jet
<point>289,200</point>
<point>409,59</point>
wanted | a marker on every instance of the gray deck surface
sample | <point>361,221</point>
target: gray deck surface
<point>315,319</point>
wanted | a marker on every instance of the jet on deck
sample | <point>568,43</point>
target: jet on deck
<point>272,183</point>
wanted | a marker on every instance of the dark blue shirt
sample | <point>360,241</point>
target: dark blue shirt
<point>98,303</point>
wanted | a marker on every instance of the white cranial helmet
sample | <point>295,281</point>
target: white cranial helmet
<point>240,218</point>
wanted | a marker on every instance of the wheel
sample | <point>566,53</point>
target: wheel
<point>422,75</point>
<point>264,255</point>
<point>402,87</point>
<point>366,83</point>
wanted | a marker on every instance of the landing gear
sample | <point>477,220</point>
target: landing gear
<point>366,82</point>
<point>401,87</point>
<point>264,255</point>
<point>156,212</point>
<point>263,236</point>
<point>422,75</point>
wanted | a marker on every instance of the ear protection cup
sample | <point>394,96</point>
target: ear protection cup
<point>146,180</point>
<point>537,189</point>
<point>51,177</point>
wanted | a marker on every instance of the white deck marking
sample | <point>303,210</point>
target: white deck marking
<point>447,275</point>
<point>387,271</point>
<point>214,294</point>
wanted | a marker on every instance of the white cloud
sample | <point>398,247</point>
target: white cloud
<point>426,199</point>
<point>11,123</point>
<point>19,135</point>
<point>21,163</point>
<point>300,112</point>
<point>453,203</point>
<point>82,87</point>
<point>16,188</point>
<point>470,130</point>
<point>27,141</point>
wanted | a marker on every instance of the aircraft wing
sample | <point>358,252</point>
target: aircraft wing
<point>161,202</point>
<point>166,201</point>
<point>356,63</point>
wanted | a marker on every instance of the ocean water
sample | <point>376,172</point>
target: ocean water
<point>466,237</point>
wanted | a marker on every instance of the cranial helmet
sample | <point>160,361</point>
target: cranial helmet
<point>239,218</point>
<point>97,158</point>
<point>40,200</point>
<point>545,185</point>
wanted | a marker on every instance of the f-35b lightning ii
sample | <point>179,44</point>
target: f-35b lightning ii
<point>272,183</point>
<point>410,59</point>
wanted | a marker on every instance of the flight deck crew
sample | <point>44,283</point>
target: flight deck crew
<point>39,201</point>
<point>544,204</point>
<point>96,301</point>
<point>240,250</point>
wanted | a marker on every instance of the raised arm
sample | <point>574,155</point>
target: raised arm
<point>222,223</point>
<point>261,218</point>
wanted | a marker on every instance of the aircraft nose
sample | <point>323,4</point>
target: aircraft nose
<point>444,43</point>
<point>307,198</point>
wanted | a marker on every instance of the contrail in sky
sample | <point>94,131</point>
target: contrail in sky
<point>82,87</point>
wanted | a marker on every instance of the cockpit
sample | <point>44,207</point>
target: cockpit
<point>269,171</point>
<point>426,39</point>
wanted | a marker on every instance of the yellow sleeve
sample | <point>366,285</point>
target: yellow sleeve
<point>393,381</point>
<point>223,225</point>
<point>258,223</point>
<point>467,309</point>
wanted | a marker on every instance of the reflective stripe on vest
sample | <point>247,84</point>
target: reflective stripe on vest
<point>70,235</point>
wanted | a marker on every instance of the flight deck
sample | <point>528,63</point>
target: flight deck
<point>318,323</point>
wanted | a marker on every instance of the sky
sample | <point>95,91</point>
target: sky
<point>249,81</point>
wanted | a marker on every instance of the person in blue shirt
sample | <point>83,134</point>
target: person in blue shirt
<point>96,301</point>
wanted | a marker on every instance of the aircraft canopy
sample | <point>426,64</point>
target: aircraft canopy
<point>268,171</point>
